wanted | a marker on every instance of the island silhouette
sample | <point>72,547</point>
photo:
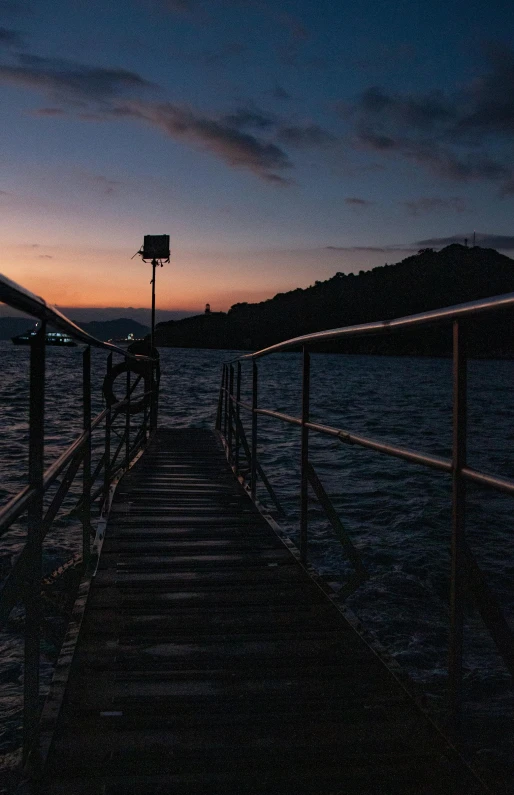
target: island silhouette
<point>427,280</point>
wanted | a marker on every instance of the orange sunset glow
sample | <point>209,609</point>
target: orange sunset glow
<point>87,277</point>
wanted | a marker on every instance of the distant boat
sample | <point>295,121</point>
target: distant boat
<point>56,338</point>
<point>126,340</point>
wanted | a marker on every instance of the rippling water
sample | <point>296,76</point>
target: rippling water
<point>397,514</point>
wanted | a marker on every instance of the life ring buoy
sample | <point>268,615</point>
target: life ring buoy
<point>140,368</point>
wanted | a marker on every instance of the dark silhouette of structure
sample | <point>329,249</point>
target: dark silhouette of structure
<point>427,280</point>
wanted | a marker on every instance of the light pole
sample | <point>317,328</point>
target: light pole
<point>154,265</point>
<point>156,248</point>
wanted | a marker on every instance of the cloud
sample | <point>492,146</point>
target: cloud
<point>429,204</point>
<point>248,138</point>
<point>505,242</point>
<point>48,112</point>
<point>101,184</point>
<point>45,256</point>
<point>358,204</point>
<point>359,248</point>
<point>423,112</point>
<point>280,93</point>
<point>298,136</point>
<point>10,38</point>
<point>236,148</point>
<point>69,81</point>
<point>310,135</point>
<point>443,160</point>
<point>243,118</point>
<point>490,97</point>
<point>458,135</point>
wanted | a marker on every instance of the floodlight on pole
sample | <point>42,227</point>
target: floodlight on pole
<point>156,248</point>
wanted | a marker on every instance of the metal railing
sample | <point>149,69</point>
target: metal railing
<point>24,581</point>
<point>466,576</point>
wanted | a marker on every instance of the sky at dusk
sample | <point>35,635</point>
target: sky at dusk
<point>275,142</point>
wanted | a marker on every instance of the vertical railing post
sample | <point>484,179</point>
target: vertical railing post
<point>86,466</point>
<point>154,396</point>
<point>304,482</point>
<point>153,380</point>
<point>230,411</point>
<point>157,393</point>
<point>238,398</point>
<point>457,587</point>
<point>107,444</point>
<point>144,423</point>
<point>127,420</point>
<point>225,404</point>
<point>34,541</point>
<point>253,481</point>
<point>219,412</point>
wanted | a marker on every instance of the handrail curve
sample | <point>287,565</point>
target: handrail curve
<point>434,316</point>
<point>466,577</point>
<point>23,582</point>
<point>23,300</point>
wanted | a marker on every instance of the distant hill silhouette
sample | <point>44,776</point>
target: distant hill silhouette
<point>112,329</point>
<point>101,329</point>
<point>11,326</point>
<point>427,280</point>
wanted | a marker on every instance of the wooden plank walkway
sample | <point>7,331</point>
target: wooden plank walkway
<point>209,662</point>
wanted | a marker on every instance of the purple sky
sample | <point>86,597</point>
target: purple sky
<point>276,143</point>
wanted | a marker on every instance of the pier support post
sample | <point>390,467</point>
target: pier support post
<point>225,401</point>
<point>107,445</point>
<point>34,541</point>
<point>230,413</point>
<point>127,421</point>
<point>253,481</point>
<point>458,562</point>
<point>86,465</point>
<point>238,398</point>
<point>304,481</point>
<point>219,412</point>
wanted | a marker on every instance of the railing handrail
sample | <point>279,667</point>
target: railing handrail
<point>23,300</point>
<point>433,316</point>
<point>23,582</point>
<point>466,577</point>
<point>495,482</point>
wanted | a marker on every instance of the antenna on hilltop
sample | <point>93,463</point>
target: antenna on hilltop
<point>474,241</point>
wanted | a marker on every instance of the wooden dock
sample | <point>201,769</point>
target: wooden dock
<point>210,662</point>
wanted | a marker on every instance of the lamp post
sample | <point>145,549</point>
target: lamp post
<point>154,265</point>
<point>156,248</point>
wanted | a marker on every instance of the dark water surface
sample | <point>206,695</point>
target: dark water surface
<point>397,514</point>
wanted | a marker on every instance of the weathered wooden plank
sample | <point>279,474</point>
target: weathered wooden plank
<point>233,575</point>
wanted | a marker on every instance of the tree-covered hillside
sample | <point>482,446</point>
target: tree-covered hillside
<point>427,280</point>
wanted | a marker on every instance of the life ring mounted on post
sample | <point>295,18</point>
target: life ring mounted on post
<point>142,369</point>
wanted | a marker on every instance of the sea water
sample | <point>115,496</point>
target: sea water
<point>397,514</point>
